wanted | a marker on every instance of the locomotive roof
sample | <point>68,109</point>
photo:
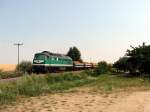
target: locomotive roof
<point>54,54</point>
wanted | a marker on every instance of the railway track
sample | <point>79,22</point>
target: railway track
<point>10,79</point>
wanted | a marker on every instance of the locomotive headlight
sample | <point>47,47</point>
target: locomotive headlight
<point>38,61</point>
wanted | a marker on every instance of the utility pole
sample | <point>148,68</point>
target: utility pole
<point>18,45</point>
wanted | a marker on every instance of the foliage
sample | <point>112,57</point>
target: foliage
<point>102,68</point>
<point>75,54</point>
<point>121,64</point>
<point>137,60</point>
<point>25,67</point>
<point>140,58</point>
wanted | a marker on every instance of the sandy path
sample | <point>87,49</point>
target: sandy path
<point>136,102</point>
<point>81,101</point>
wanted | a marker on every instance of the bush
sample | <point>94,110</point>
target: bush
<point>25,67</point>
<point>102,68</point>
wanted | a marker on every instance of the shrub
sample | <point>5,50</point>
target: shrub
<point>102,68</point>
<point>25,67</point>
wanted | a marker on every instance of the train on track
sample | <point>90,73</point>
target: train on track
<point>50,62</point>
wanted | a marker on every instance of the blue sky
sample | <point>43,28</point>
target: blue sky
<point>101,29</point>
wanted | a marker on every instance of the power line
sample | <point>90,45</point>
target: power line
<point>18,45</point>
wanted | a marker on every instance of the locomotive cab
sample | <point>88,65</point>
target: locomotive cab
<point>39,63</point>
<point>39,59</point>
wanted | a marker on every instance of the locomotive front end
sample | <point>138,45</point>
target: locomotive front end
<point>39,62</point>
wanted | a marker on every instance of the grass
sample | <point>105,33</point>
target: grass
<point>109,83</point>
<point>7,93</point>
<point>35,85</point>
<point>51,83</point>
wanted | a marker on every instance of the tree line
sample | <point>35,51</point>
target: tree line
<point>135,61</point>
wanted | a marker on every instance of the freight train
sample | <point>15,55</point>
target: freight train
<point>50,62</point>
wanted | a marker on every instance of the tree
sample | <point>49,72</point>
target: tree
<point>138,60</point>
<point>121,64</point>
<point>75,54</point>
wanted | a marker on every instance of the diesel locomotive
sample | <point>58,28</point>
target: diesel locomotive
<point>50,62</point>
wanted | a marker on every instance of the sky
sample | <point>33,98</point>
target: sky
<point>100,29</point>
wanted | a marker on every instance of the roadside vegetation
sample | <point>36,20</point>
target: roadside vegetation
<point>114,82</point>
<point>36,84</point>
<point>103,81</point>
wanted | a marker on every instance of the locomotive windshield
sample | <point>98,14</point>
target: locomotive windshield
<point>39,56</point>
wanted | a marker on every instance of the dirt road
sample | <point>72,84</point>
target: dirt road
<point>84,101</point>
<point>136,102</point>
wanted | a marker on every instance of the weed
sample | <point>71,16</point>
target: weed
<point>7,93</point>
<point>31,85</point>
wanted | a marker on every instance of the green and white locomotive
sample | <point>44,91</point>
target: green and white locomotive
<point>49,62</point>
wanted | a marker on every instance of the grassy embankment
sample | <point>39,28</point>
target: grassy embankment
<point>35,85</point>
<point>108,83</point>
